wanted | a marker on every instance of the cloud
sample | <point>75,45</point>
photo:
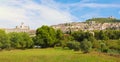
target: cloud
<point>95,5</point>
<point>13,12</point>
<point>44,12</point>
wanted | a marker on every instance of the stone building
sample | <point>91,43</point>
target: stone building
<point>21,28</point>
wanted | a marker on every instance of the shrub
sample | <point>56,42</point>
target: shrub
<point>73,45</point>
<point>66,48</point>
<point>96,44</point>
<point>86,46</point>
<point>113,44</point>
<point>104,48</point>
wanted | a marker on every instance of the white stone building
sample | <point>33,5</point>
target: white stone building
<point>21,28</point>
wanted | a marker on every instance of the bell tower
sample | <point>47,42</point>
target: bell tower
<point>22,25</point>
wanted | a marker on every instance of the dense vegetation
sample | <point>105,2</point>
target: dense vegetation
<point>15,40</point>
<point>103,20</point>
<point>79,40</point>
<point>107,41</point>
<point>47,37</point>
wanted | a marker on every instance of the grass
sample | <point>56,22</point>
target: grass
<point>53,55</point>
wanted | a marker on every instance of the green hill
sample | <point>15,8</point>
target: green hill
<point>103,20</point>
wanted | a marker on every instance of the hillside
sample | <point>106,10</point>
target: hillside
<point>103,20</point>
<point>91,24</point>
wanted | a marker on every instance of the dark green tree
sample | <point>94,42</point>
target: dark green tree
<point>45,37</point>
<point>101,35</point>
<point>78,35</point>
<point>81,35</point>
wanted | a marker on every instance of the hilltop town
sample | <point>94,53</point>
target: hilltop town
<point>90,24</point>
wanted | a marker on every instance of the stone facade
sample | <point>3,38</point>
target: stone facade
<point>21,28</point>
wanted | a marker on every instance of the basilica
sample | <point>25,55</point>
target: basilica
<point>21,28</point>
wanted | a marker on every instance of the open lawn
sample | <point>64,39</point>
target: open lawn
<point>53,55</point>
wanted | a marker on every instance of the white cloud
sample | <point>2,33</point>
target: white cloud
<point>95,5</point>
<point>102,5</point>
<point>48,12</point>
<point>7,13</point>
<point>12,12</point>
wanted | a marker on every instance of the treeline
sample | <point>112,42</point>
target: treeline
<point>103,20</point>
<point>46,37</point>
<point>15,40</point>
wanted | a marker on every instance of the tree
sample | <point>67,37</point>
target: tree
<point>66,38</point>
<point>81,35</point>
<point>59,34</point>
<point>4,40</point>
<point>45,37</point>
<point>101,35</point>
<point>15,39</point>
<point>59,37</point>
<point>27,40</point>
<point>20,40</point>
<point>86,46</point>
<point>78,35</point>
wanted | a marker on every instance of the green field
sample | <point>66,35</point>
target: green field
<point>53,55</point>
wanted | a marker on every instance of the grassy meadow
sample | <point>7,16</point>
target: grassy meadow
<point>53,55</point>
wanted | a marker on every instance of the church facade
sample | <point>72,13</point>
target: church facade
<point>21,28</point>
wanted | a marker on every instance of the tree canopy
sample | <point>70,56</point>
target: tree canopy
<point>47,36</point>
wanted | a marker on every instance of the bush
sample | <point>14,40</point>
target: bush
<point>113,44</point>
<point>112,51</point>
<point>86,46</point>
<point>96,44</point>
<point>73,45</point>
<point>66,48</point>
<point>104,48</point>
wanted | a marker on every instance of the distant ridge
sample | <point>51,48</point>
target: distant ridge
<point>104,20</point>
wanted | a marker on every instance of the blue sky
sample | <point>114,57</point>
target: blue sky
<point>95,8</point>
<point>36,13</point>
